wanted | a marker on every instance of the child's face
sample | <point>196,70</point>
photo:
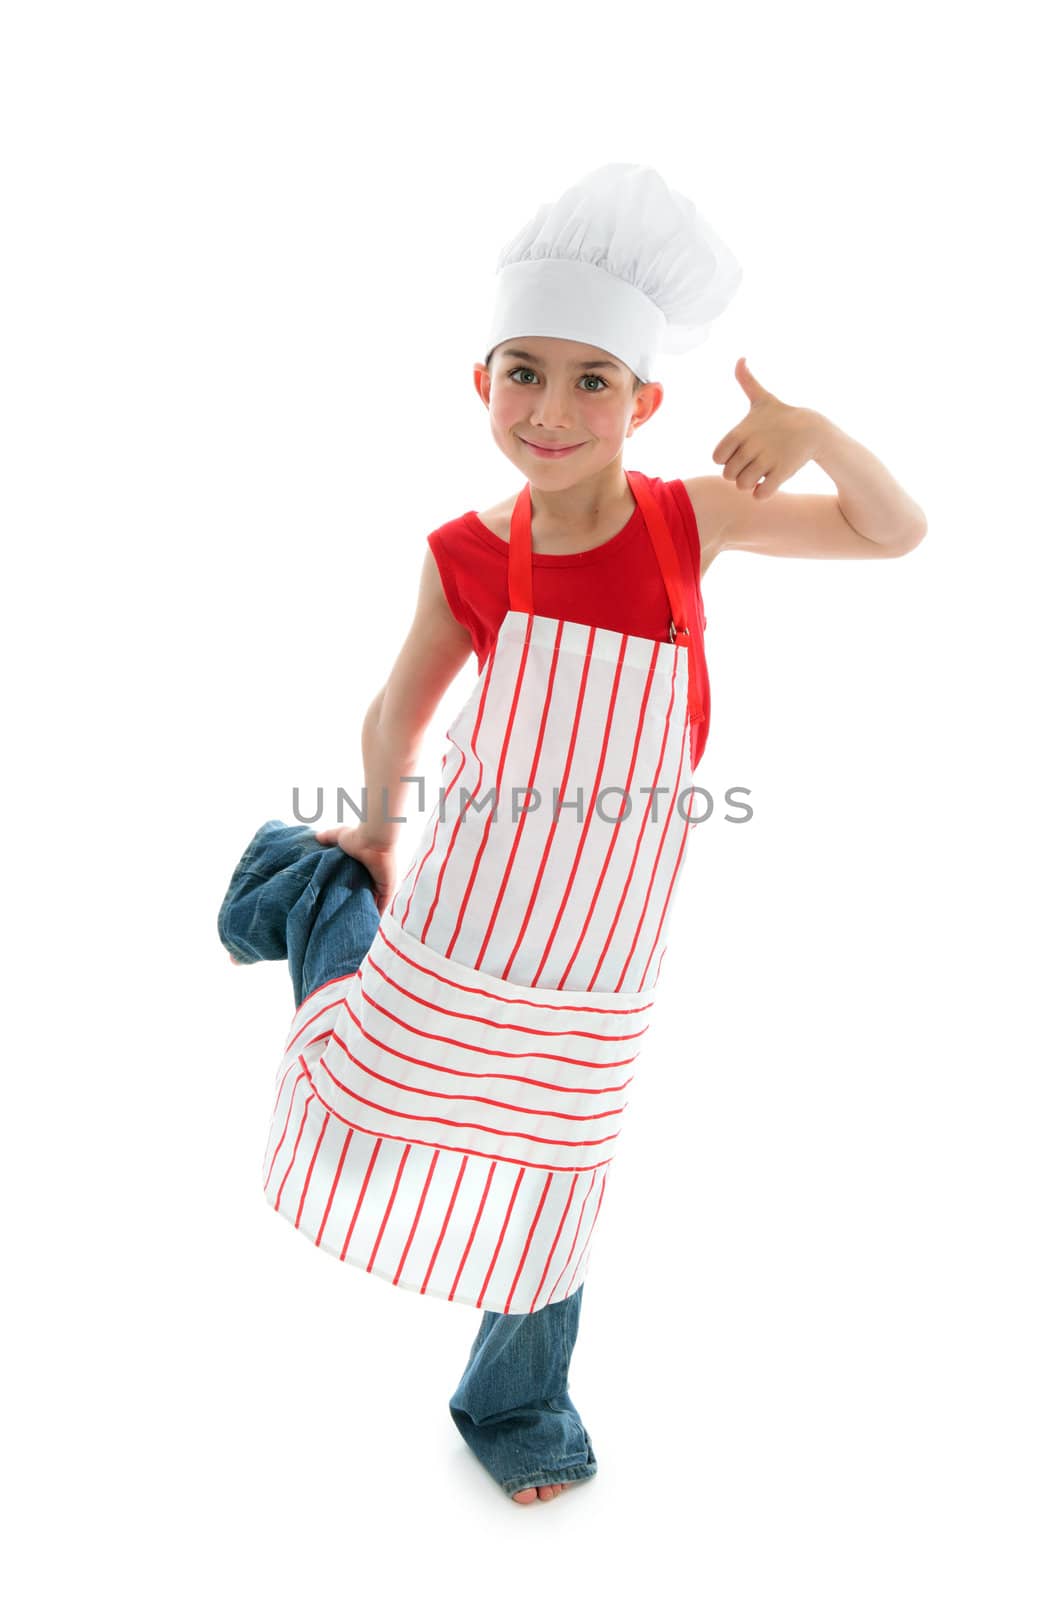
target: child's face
<point>546,391</point>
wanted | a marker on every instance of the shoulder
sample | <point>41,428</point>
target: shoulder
<point>468,531</point>
<point>499,518</point>
<point>456,542</point>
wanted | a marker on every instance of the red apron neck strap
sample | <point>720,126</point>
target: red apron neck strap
<point>520,555</point>
<point>520,552</point>
<point>680,633</point>
<point>520,572</point>
<point>666,555</point>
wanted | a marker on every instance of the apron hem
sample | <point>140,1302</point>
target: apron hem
<point>486,1304</point>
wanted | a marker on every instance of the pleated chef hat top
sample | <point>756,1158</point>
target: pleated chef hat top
<point>621,261</point>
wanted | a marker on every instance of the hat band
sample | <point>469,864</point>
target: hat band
<point>556,298</point>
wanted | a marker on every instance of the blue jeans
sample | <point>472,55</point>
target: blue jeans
<point>292,898</point>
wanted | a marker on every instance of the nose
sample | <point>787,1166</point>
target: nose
<point>549,408</point>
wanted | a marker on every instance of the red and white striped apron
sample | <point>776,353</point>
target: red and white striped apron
<point>446,1116</point>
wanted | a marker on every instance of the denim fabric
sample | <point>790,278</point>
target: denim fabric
<point>512,1406</point>
<point>292,898</point>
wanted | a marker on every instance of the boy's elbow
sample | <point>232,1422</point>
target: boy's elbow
<point>401,723</point>
<point>912,538</point>
<point>372,714</point>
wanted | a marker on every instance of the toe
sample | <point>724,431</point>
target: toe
<point>547,1491</point>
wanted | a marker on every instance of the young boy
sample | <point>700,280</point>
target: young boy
<point>452,1085</point>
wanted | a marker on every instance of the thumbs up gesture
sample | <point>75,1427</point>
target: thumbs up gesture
<point>771,442</point>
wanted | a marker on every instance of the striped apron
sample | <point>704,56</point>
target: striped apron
<point>445,1117</point>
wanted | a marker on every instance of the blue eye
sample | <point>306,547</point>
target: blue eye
<point>592,375</point>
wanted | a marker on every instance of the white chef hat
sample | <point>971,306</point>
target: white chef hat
<point>620,261</point>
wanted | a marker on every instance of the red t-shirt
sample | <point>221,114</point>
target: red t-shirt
<point>618,585</point>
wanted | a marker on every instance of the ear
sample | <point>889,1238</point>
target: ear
<point>646,403</point>
<point>481,378</point>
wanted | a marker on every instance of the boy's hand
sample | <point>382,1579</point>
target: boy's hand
<point>378,858</point>
<point>771,442</point>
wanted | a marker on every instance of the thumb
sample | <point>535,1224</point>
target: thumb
<point>750,386</point>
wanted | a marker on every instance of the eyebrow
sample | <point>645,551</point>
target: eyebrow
<point>584,366</point>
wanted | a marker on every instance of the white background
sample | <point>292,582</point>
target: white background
<point>248,251</point>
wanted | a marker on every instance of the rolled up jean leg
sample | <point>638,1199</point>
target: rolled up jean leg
<point>512,1406</point>
<point>293,898</point>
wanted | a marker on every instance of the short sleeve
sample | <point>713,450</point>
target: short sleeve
<point>459,610</point>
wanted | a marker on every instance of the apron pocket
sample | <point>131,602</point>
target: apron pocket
<point>433,1052</point>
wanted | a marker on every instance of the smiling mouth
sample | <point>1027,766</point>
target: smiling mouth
<point>551,449</point>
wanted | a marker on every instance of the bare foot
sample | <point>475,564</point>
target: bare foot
<point>548,1491</point>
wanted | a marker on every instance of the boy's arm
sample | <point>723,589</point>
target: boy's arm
<point>869,516</point>
<point>433,653</point>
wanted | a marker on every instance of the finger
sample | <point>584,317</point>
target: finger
<point>739,459</point>
<point>749,383</point>
<point>751,473</point>
<point>770,474</point>
<point>327,835</point>
<point>727,447</point>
